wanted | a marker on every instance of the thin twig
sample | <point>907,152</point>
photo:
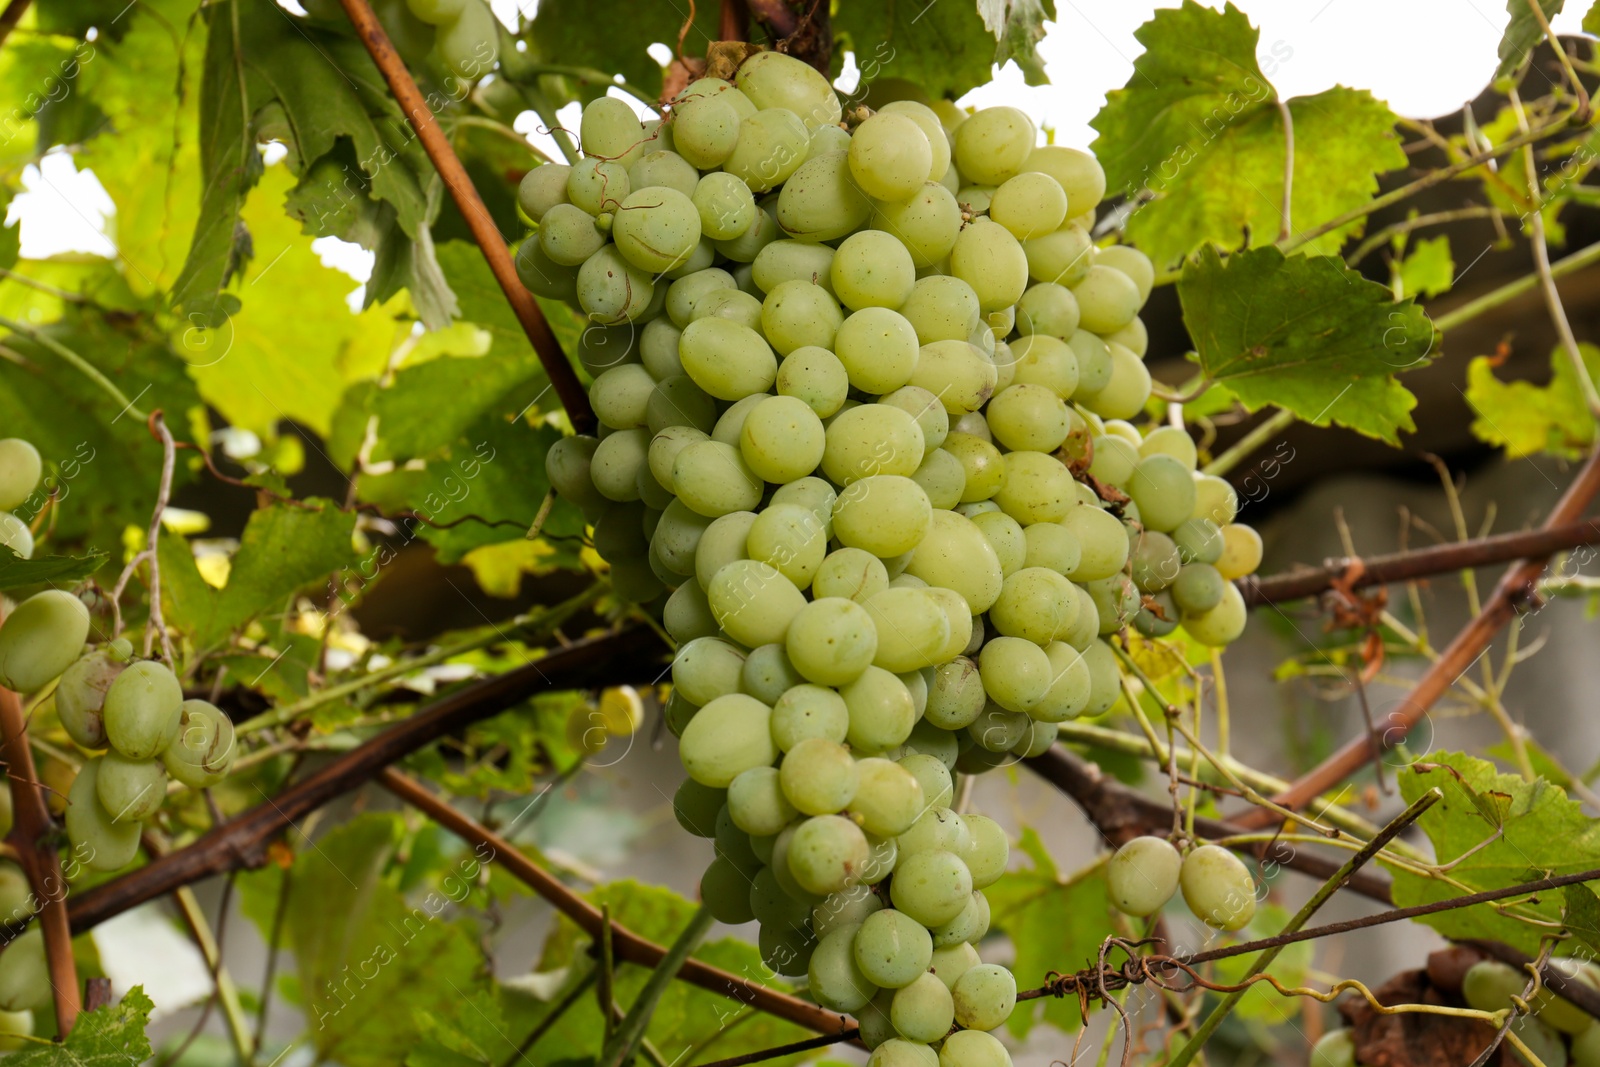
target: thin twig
<point>548,1023</point>
<point>1242,448</point>
<point>1566,66</point>
<point>1284,228</point>
<point>89,370</point>
<point>1458,316</point>
<point>155,624</point>
<point>1436,218</point>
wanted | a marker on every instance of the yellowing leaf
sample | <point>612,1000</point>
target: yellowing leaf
<point>1524,418</point>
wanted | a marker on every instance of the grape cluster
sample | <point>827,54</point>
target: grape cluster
<point>462,33</point>
<point>1146,872</point>
<point>862,387</point>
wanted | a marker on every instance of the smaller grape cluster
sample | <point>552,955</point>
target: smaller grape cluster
<point>1146,872</point>
<point>20,469</point>
<point>462,33</point>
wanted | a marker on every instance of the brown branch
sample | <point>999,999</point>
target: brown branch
<point>31,837</point>
<point>1510,593</point>
<point>734,21</point>
<point>11,16</point>
<point>1404,566</point>
<point>465,194</point>
<point>626,945</point>
<point>242,841</point>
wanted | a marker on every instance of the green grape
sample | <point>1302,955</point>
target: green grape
<point>872,269</point>
<point>664,167</point>
<point>100,843</point>
<point>696,806</point>
<point>725,205</point>
<point>727,360</point>
<point>202,753</point>
<point>890,157</point>
<point>930,887</point>
<point>881,709</point>
<point>880,864</point>
<point>1543,1042</point>
<point>469,46</point>
<point>892,948</point>
<point>1107,299</point>
<point>785,260</point>
<point>757,804</point>
<point>827,854</point>
<point>568,235</point>
<point>705,130</point>
<point>871,439</point>
<point>818,775</point>
<point>922,1010</point>
<point>1132,263</point>
<point>1052,545</point>
<point>1143,876</point>
<point>983,469</point>
<point>597,185</point>
<point>911,629</point>
<point>973,1048</point>
<point>787,951</point>
<point>956,697</point>
<point>1042,360</point>
<point>832,640</point>
<point>143,710</point>
<point>821,201</point>
<point>1198,541</point>
<point>685,294</point>
<point>41,639</point>
<point>847,908</point>
<point>790,538</point>
<point>1070,681</point>
<point>994,144</point>
<point>984,997</point>
<point>960,622</point>
<point>677,712</point>
<point>927,739</point>
<point>772,145</point>
<point>542,188</point>
<point>950,962</point>
<point>935,830</point>
<point>81,694</point>
<point>1030,205</point>
<point>928,121</point>
<point>986,852</point>
<point>942,478</point>
<point>731,423</point>
<point>1049,310</point>
<point>797,314</point>
<point>1016,674</point>
<point>989,259</point>
<point>1102,542</point>
<point>1241,551</point>
<point>15,535</point>
<point>677,402</point>
<point>1078,173</point>
<point>924,407</point>
<point>877,347</point>
<point>932,775</point>
<point>1035,603</point>
<point>723,542</point>
<point>816,377</point>
<point>24,974</point>
<point>17,900</point>
<point>1095,364</point>
<point>771,80</point>
<point>958,373</point>
<point>809,711</point>
<point>735,305</point>
<point>1198,589</point>
<point>744,248</point>
<point>1554,1010</point>
<point>621,396</point>
<point>130,790</point>
<point>1336,1048</point>
<point>611,290</point>
<point>888,798</point>
<point>896,1052</point>
<point>700,258</point>
<point>1163,489</point>
<point>1038,488</point>
<point>1586,1048</point>
<point>539,274</point>
<point>836,982</point>
<point>1062,257</point>
<point>941,308</point>
<point>1170,441</point>
<point>1155,561</point>
<point>610,130</point>
<point>753,602</point>
<point>656,229</point>
<point>954,554</point>
<point>1116,602</point>
<point>782,440</point>
<point>851,573</point>
<point>997,729</point>
<point>707,668</point>
<point>712,479</point>
<point>885,514</point>
<point>767,674</point>
<point>1029,418</point>
<point>1489,985</point>
<point>927,223</point>
<point>725,889</point>
<point>1217,887</point>
<point>1223,624</point>
<point>1134,337</point>
<point>728,736</point>
<point>687,614</point>
<point>969,926</point>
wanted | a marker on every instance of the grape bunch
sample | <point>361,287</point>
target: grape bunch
<point>463,34</point>
<point>864,387</point>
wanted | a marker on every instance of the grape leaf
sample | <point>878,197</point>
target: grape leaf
<point>18,573</point>
<point>476,1036</point>
<point>1428,270</point>
<point>1289,967</point>
<point>1582,915</point>
<point>1545,833</point>
<point>112,1036</point>
<point>1305,333</point>
<point>1523,32</point>
<point>1524,418</point>
<point>613,35</point>
<point>1018,27</point>
<point>1198,132</point>
<point>1591,19</point>
<point>940,47</point>
<point>1056,924</point>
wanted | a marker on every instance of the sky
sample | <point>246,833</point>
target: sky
<point>1423,57</point>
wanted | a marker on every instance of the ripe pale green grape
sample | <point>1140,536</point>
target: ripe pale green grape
<point>727,737</point>
<point>852,573</point>
<point>724,541</point>
<point>656,229</point>
<point>1126,390</point>
<point>609,129</point>
<point>1062,257</point>
<point>1131,262</point>
<point>725,205</point>
<point>17,899</point>
<point>1087,627</point>
<point>836,982</point>
<point>1052,545</point>
<point>1016,673</point>
<point>958,373</point>
<point>973,1048</point>
<point>771,79</point>
<point>892,948</point>
<point>685,294</point>
<point>539,274</point>
<point>100,843</point>
<point>790,538</point>
<point>143,710</point>
<point>696,806</point>
<point>598,185</point>
<point>469,46</point>
<point>832,640</point>
<point>1042,360</point>
<point>941,477</point>
<point>818,775</point>
<point>956,697</point>
<point>984,997</point>
<point>930,887</point>
<point>1170,441</point>
<point>1102,542</point>
<point>941,308</point>
<point>969,926</point>
<point>1077,172</point>
<point>923,406</point>
<point>872,269</point>
<point>1035,603</point>
<point>611,290</point>
<point>705,130</point>
<point>735,305</point>
<point>772,144</point>
<point>568,236</point>
<point>1218,888</point>
<point>731,423</point>
<point>782,439</point>
<point>1241,551</point>
<point>130,790</point>
<point>881,709</point>
<point>725,359</point>
<point>997,729</point>
<point>809,711</point>
<point>871,439</point>
<point>41,639</point>
<point>744,248</point>
<point>960,620</point>
<point>24,975</point>
<point>1223,624</point>
<point>673,402</point>
<point>877,347</point>
<point>786,260</point>
<point>1038,488</point>
<point>1164,491</point>
<point>1094,362</point>
<point>1071,685</point>
<point>15,535</point>
<point>846,908</point>
<point>981,464</point>
<point>827,854</point>
<point>1048,309</point>
<point>989,259</point>
<point>726,892</point>
<point>890,157</point>
<point>932,775</point>
<point>81,695</point>
<point>888,798</point>
<point>1143,875</point>
<point>1155,561</point>
<point>713,479</point>
<point>1026,417</point>
<point>955,554</point>
<point>986,852</point>
<point>1336,1048</point>
<point>203,752</point>
<point>927,223</point>
<point>1198,541</point>
<point>923,1010</point>
<point>621,396</point>
<point>911,628</point>
<point>541,189</point>
<point>1198,589</point>
<point>994,144</point>
<point>885,854</point>
<point>821,201</point>
<point>666,168</point>
<point>767,674</point>
<point>1114,461</point>
<point>1107,299</point>
<point>1116,602</point>
<point>935,830</point>
<point>886,514</point>
<point>815,376</point>
<point>950,962</point>
<point>799,313</point>
<point>897,1052</point>
<point>1030,205</point>
<point>753,602</point>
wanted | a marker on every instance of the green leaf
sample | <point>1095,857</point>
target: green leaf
<point>18,573</point>
<point>940,47</point>
<point>282,549</point>
<point>613,35</point>
<point>475,1037</point>
<point>1582,915</point>
<point>1545,833</point>
<point>1198,132</point>
<point>1428,270</point>
<point>1055,923</point>
<point>112,1036</point>
<point>1523,32</point>
<point>1591,20</point>
<point>1544,764</point>
<point>1524,418</point>
<point>1018,27</point>
<point>1305,333</point>
<point>1289,967</point>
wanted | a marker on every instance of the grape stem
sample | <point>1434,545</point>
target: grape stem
<point>1241,449</point>
<point>155,624</point>
<point>11,16</point>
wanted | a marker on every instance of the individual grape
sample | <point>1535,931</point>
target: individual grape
<point>882,712</point>
<point>1489,985</point>
<point>1078,173</point>
<point>872,269</point>
<point>1143,875</point>
<point>923,1010</point>
<point>1062,257</point>
<point>950,962</point>
<point>609,129</point>
<point>1163,489</point>
<point>931,887</point>
<point>892,948</point>
<point>1052,545</point>
<point>598,185</point>
<point>696,806</point>
<point>941,308</point>
<point>885,854</point>
<point>726,892</point>
<point>1039,359</point>
<point>725,359</point>
<point>753,602</point>
<point>1217,887</point>
<point>785,950</point>
<point>130,790</point>
<point>41,639</point>
<point>932,775</point>
<point>782,439</point>
<point>735,305</point>
<point>927,739</point>
<point>705,130</point>
<point>875,1027</point>
<point>1048,309</point>
<point>725,205</point>
<point>1037,488</point>
<point>1035,603</point>
<point>937,829</point>
<point>767,674</point>
<point>911,630</point>
<point>665,168</point>
<point>542,188</point>
<point>1126,390</point>
<point>568,235</point>
<point>81,695</point>
<point>797,314</point>
<point>1170,441</point>
<point>731,422</point>
<point>942,478</point>
<point>469,46</point>
<point>1102,542</point>
<point>723,542</point>
<point>772,144</point>
<point>832,640</point>
<point>994,144</point>
<point>656,229</point>
<point>1086,629</point>
<point>1198,589</point>
<point>983,468</point>
<point>986,852</point>
<point>1107,299</point>
<point>1336,1048</point>
<point>685,294</point>
<point>1032,204</point>
<point>852,573</point>
<point>997,729</point>
<point>744,248</point>
<point>771,79</point>
<point>1016,673</point>
<point>712,479</point>
<point>203,752</point>
<point>621,396</point>
<point>835,981</point>
<point>890,157</point>
<point>1070,689</point>
<point>956,697</point>
<point>15,1029</point>
<point>1135,337</point>
<point>1116,602</point>
<point>673,402</point>
<point>970,926</point>
<point>1114,461</point>
<point>1222,625</point>
<point>885,514</point>
<point>888,798</point>
<point>927,223</point>
<point>1094,362</point>
<point>611,290</point>
<point>786,260</point>
<point>1241,552</point>
<point>727,737</point>
<point>871,439</point>
<point>897,1052</point>
<point>809,711</point>
<point>827,854</point>
<point>989,259</point>
<point>101,844</point>
<point>818,775</point>
<point>15,535</point>
<point>821,201</point>
<point>955,555</point>
<point>984,997</point>
<point>958,373</point>
<point>1155,561</point>
<point>24,974</point>
<point>1028,418</point>
<point>1198,541</point>
<point>143,710</point>
<point>539,274</point>
<point>815,376</point>
<point>846,908</point>
<point>17,899</point>
<point>1556,1011</point>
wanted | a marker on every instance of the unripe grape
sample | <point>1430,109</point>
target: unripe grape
<point>41,639</point>
<point>984,997</point>
<point>994,144</point>
<point>98,842</point>
<point>130,791</point>
<point>1143,875</point>
<point>143,710</point>
<point>836,981</point>
<point>15,535</point>
<point>1218,888</point>
<point>1336,1048</point>
<point>726,737</point>
<point>81,696</point>
<point>24,975</point>
<point>20,468</point>
<point>922,1010</point>
<point>892,948</point>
